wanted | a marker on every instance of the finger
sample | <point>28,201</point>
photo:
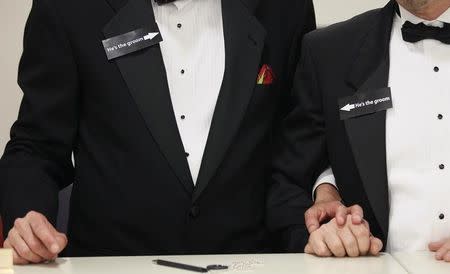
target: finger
<point>17,260</point>
<point>334,244</point>
<point>435,246</point>
<point>312,221</point>
<point>442,252</point>
<point>62,240</point>
<point>41,229</point>
<point>376,245</point>
<point>349,241</point>
<point>318,245</point>
<point>362,235</point>
<point>357,214</point>
<point>25,231</point>
<point>22,249</point>
<point>341,215</point>
<point>309,249</point>
<point>447,257</point>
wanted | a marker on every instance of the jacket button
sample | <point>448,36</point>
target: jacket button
<point>195,211</point>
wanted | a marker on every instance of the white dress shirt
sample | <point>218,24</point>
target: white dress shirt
<point>417,139</point>
<point>193,51</point>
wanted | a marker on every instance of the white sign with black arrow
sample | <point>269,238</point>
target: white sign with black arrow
<point>132,41</point>
<point>365,102</point>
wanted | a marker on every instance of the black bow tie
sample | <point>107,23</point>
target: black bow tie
<point>414,33</point>
<point>162,2</point>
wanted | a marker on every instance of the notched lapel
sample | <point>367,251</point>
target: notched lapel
<point>244,43</point>
<point>145,75</point>
<point>367,134</point>
<point>367,137</point>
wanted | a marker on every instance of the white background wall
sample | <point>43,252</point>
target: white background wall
<point>13,14</point>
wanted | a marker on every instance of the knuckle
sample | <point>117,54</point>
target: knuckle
<point>313,238</point>
<point>11,233</point>
<point>31,214</point>
<point>316,235</point>
<point>35,215</point>
<point>18,222</point>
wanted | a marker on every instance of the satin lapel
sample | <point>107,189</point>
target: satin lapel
<point>145,75</point>
<point>367,134</point>
<point>244,43</point>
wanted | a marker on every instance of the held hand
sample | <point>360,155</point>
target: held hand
<point>328,206</point>
<point>34,240</point>
<point>351,240</point>
<point>442,249</point>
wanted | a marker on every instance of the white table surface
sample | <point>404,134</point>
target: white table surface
<point>422,263</point>
<point>255,264</point>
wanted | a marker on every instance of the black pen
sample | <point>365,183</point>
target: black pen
<point>181,266</point>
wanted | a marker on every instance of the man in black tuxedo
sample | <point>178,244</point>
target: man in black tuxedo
<point>373,92</point>
<point>168,159</point>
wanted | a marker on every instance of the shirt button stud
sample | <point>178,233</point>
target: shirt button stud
<point>441,216</point>
<point>183,117</point>
<point>187,154</point>
<point>440,116</point>
<point>436,69</point>
<point>441,166</point>
<point>182,71</point>
<point>179,25</point>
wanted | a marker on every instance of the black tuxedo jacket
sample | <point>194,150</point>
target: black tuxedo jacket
<point>133,192</point>
<point>339,61</point>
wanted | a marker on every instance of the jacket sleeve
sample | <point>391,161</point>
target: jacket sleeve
<point>37,160</point>
<point>306,25</point>
<point>300,157</point>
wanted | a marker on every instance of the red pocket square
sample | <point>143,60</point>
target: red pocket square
<point>265,76</point>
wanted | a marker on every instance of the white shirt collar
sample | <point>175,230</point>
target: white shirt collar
<point>439,22</point>
<point>180,4</point>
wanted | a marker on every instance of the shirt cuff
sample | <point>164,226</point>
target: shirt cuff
<point>327,177</point>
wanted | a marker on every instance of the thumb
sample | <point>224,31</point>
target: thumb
<point>308,249</point>
<point>312,220</point>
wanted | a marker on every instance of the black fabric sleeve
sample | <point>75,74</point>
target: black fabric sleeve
<point>37,160</point>
<point>306,25</point>
<point>301,157</point>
